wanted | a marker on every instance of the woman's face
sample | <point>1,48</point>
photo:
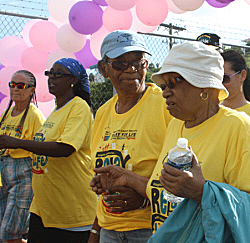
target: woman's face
<point>21,95</point>
<point>236,81</point>
<point>61,85</point>
<point>183,100</point>
<point>130,80</point>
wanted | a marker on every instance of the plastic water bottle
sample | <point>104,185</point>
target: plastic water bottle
<point>179,157</point>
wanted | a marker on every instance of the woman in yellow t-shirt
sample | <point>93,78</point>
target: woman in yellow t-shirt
<point>20,121</point>
<point>237,81</point>
<point>63,207</point>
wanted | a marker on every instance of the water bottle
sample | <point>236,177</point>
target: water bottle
<point>179,157</point>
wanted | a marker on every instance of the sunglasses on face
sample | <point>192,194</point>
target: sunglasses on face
<point>19,85</point>
<point>57,74</point>
<point>122,65</point>
<point>171,83</point>
<point>227,78</point>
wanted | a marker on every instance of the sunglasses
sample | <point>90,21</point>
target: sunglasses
<point>57,74</point>
<point>122,65</point>
<point>19,85</point>
<point>171,83</point>
<point>227,78</point>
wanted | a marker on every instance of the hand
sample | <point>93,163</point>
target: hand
<point>126,200</point>
<point>108,177</point>
<point>187,184</point>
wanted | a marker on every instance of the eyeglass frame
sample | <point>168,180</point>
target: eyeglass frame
<point>173,82</point>
<point>226,75</point>
<point>137,66</point>
<point>25,86</point>
<point>50,73</point>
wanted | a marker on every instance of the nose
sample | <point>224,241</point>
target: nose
<point>166,92</point>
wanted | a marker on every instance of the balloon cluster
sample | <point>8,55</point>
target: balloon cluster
<point>76,29</point>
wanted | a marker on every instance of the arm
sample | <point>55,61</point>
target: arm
<point>112,175</point>
<point>187,184</point>
<point>94,236</point>
<point>52,149</point>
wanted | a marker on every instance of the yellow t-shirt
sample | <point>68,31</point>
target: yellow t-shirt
<point>32,123</point>
<point>63,197</point>
<point>245,108</point>
<point>132,140</point>
<point>222,146</point>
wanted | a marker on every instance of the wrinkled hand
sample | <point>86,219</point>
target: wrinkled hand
<point>7,141</point>
<point>187,184</point>
<point>127,199</point>
<point>108,177</point>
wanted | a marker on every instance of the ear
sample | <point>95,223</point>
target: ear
<point>243,75</point>
<point>103,69</point>
<point>32,91</point>
<point>74,80</point>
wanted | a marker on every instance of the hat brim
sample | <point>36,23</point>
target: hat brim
<point>122,50</point>
<point>190,77</point>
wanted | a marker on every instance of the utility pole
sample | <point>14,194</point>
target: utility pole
<point>171,28</point>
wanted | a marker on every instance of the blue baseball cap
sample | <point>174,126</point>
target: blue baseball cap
<point>120,42</point>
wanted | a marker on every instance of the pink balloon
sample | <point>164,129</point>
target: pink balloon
<point>96,41</point>
<point>139,26</point>
<point>56,55</point>
<point>188,5</point>
<point>42,90</point>
<point>69,40</point>
<point>26,30</point>
<point>43,36</point>
<point>85,56</point>
<point>247,1</point>
<point>46,107</point>
<point>4,104</point>
<point>100,2</point>
<point>117,20</point>
<point>34,60</point>
<point>11,48</point>
<point>216,4</point>
<point>5,77</point>
<point>173,8</point>
<point>152,13</point>
<point>122,5</point>
<point>85,17</point>
<point>54,21</point>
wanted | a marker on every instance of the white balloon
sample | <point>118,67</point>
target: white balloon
<point>188,5</point>
<point>173,8</point>
<point>69,40</point>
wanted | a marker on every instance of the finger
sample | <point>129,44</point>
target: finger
<point>171,170</point>
<point>94,181</point>
<point>114,197</point>
<point>117,188</point>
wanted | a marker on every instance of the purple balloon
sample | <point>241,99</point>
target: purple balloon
<point>224,1</point>
<point>85,17</point>
<point>1,66</point>
<point>100,2</point>
<point>85,56</point>
<point>216,4</point>
<point>2,96</point>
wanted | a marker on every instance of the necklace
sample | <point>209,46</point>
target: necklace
<point>118,103</point>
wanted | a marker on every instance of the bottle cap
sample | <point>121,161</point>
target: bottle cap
<point>182,142</point>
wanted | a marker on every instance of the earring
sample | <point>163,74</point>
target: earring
<point>241,89</point>
<point>201,95</point>
<point>72,85</point>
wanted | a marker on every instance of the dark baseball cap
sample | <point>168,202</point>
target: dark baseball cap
<point>211,40</point>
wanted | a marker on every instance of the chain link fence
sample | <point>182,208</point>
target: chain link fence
<point>101,89</point>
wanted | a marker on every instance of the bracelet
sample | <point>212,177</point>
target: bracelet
<point>145,204</point>
<point>95,232</point>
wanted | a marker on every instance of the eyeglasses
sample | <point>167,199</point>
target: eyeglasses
<point>122,65</point>
<point>171,83</point>
<point>57,74</point>
<point>227,78</point>
<point>19,85</point>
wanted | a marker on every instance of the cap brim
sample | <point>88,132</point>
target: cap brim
<point>122,50</point>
